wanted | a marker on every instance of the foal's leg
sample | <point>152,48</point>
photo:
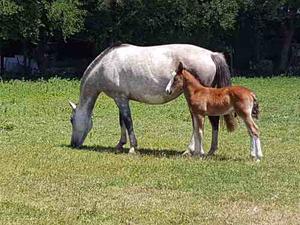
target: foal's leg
<point>123,139</point>
<point>255,149</point>
<point>214,120</point>
<point>199,151</point>
<point>123,104</point>
<point>192,146</point>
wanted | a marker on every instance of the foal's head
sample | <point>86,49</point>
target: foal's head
<point>176,81</point>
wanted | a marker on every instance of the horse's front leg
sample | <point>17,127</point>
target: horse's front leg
<point>123,104</point>
<point>123,138</point>
<point>214,121</point>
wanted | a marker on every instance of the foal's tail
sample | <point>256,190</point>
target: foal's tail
<point>223,79</point>
<point>255,108</point>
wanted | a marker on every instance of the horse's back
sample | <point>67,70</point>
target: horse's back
<point>142,73</point>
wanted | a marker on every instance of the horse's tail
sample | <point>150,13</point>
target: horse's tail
<point>223,79</point>
<point>255,108</point>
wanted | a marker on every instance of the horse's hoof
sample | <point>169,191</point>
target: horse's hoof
<point>132,151</point>
<point>119,149</point>
<point>212,152</point>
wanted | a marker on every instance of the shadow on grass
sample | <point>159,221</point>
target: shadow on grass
<point>140,151</point>
<point>159,153</point>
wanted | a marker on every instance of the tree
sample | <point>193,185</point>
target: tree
<point>160,21</point>
<point>34,22</point>
<point>278,16</point>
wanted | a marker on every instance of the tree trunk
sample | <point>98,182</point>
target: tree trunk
<point>40,57</point>
<point>288,33</point>
<point>2,64</point>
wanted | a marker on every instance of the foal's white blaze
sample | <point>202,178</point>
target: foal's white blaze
<point>168,88</point>
<point>73,105</point>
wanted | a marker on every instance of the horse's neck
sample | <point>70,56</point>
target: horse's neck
<point>87,99</point>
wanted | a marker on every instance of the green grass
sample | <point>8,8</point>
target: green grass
<point>44,181</point>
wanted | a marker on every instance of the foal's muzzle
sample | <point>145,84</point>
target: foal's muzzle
<point>168,89</point>
<point>169,92</point>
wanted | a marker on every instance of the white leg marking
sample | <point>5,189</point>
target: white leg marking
<point>192,143</point>
<point>252,147</point>
<point>201,142</point>
<point>259,154</point>
<point>132,150</point>
<point>198,136</point>
<point>191,148</point>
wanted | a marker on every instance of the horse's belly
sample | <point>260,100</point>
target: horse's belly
<point>153,98</point>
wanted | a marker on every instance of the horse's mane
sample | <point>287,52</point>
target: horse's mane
<point>194,74</point>
<point>98,59</point>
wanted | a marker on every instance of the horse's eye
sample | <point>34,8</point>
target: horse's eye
<point>71,119</point>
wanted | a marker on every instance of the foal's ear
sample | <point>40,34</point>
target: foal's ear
<point>180,67</point>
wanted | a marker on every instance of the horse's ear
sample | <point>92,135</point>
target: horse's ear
<point>73,105</point>
<point>180,67</point>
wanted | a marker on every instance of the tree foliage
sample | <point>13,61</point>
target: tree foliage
<point>28,20</point>
<point>210,23</point>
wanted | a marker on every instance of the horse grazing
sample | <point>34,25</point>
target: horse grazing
<point>127,72</point>
<point>204,101</point>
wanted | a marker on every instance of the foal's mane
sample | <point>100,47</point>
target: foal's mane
<point>194,74</point>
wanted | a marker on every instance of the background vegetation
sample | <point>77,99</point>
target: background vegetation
<point>258,36</point>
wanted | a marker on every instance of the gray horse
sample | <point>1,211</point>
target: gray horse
<point>126,72</point>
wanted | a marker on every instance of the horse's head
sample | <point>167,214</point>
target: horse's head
<point>176,81</point>
<point>81,125</point>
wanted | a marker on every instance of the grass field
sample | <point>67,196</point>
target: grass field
<point>44,181</point>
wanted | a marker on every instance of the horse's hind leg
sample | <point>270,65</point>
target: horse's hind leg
<point>123,139</point>
<point>123,104</point>
<point>214,121</point>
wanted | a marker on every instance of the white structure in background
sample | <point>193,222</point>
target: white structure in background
<point>16,64</point>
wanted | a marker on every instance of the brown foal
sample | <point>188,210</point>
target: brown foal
<point>204,101</point>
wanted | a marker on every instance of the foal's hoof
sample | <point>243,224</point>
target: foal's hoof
<point>256,159</point>
<point>199,155</point>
